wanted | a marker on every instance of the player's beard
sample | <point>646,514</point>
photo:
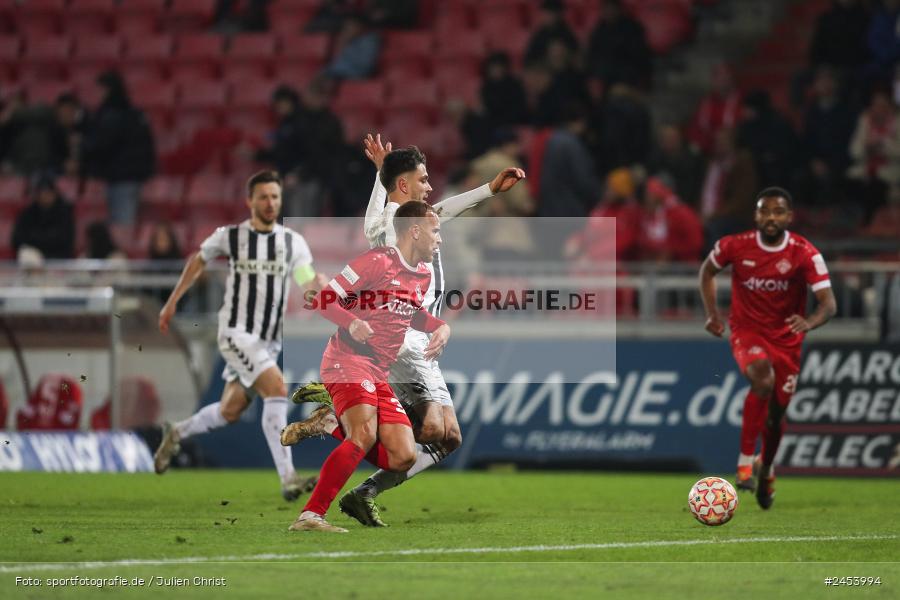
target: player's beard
<point>261,217</point>
<point>771,238</point>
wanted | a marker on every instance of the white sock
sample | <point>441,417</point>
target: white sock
<point>382,480</point>
<point>206,419</point>
<point>274,419</point>
<point>745,460</point>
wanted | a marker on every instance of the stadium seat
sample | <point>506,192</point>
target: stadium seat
<point>69,188</point>
<point>252,93</point>
<point>88,18</point>
<point>48,54</point>
<point>206,95</point>
<point>55,404</point>
<point>253,47</point>
<point>139,406</point>
<point>200,47</point>
<point>419,98</point>
<point>513,43</point>
<point>364,97</point>
<point>105,50</point>
<point>294,75</point>
<point>155,49</point>
<point>464,45</point>
<point>46,92</point>
<point>10,49</point>
<point>402,45</point>
<point>206,190</point>
<point>200,230</point>
<point>189,15</point>
<point>52,7</point>
<point>308,49</point>
<point>136,25</point>
<point>151,94</point>
<point>161,198</point>
<point>13,196</point>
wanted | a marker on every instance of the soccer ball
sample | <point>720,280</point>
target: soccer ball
<point>713,501</point>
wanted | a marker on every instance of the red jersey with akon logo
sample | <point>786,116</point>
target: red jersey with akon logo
<point>381,288</point>
<point>768,283</point>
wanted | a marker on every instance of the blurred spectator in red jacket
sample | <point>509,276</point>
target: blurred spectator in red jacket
<point>669,230</point>
<point>721,107</point>
<point>593,242</point>
<point>55,404</point>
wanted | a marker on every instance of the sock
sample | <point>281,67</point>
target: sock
<point>383,480</point>
<point>752,422</point>
<point>378,456</point>
<point>772,432</point>
<point>745,460</point>
<point>274,419</point>
<point>336,470</point>
<point>206,419</point>
<point>338,433</point>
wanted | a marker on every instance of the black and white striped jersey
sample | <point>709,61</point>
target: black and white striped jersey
<point>259,276</point>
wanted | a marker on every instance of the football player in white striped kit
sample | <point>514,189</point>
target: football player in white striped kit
<point>418,383</point>
<point>263,257</point>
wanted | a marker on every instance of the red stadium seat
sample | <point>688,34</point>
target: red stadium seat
<point>88,17</point>
<point>294,75</point>
<point>190,73</point>
<point>200,47</point>
<point>235,74</point>
<point>10,49</point>
<point>53,7</point>
<point>252,46</point>
<point>46,92</point>
<point>419,98</point>
<point>200,230</point>
<point>400,45</point>
<point>252,93</point>
<point>463,45</point>
<point>365,98</point>
<point>134,26</point>
<point>106,50</point>
<point>149,49</point>
<point>206,190</point>
<point>189,15</point>
<point>53,51</point>
<point>513,43</point>
<point>306,49</point>
<point>154,95</point>
<point>12,189</point>
<point>161,198</point>
<point>207,95</point>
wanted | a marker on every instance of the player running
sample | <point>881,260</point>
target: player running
<point>263,256</point>
<point>402,177</point>
<point>383,291</point>
<point>771,269</point>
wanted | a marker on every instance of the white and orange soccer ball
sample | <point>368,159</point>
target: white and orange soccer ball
<point>713,501</point>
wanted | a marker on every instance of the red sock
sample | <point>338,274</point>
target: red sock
<point>378,456</point>
<point>338,468</point>
<point>338,433</point>
<point>752,423</point>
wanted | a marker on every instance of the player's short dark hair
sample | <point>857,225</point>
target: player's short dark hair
<point>397,162</point>
<point>409,214</point>
<point>262,177</point>
<point>776,192</point>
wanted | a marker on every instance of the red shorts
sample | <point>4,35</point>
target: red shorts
<point>748,347</point>
<point>350,387</point>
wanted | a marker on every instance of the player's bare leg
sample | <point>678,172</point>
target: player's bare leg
<point>761,376</point>
<point>270,386</point>
<point>228,409</point>
<point>772,433</point>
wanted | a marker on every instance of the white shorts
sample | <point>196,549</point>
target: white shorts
<point>246,356</point>
<point>416,380</point>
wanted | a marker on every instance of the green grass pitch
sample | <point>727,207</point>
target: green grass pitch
<point>452,535</point>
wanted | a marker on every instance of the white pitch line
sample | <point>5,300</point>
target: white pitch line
<point>27,567</point>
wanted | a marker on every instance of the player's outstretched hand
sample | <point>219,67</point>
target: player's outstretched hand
<point>165,316</point>
<point>375,150</point>
<point>360,331</point>
<point>798,324</point>
<point>506,178</point>
<point>715,326</point>
<point>438,342</point>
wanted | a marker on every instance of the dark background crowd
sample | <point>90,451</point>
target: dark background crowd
<point>567,92</point>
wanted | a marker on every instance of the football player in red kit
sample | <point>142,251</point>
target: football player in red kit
<point>374,300</point>
<point>771,270</point>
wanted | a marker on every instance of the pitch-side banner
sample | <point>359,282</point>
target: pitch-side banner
<point>845,416</point>
<point>74,452</point>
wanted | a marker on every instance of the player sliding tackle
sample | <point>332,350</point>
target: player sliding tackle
<point>384,291</point>
<point>402,177</point>
<point>771,269</point>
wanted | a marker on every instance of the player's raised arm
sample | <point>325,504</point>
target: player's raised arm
<point>714,323</point>
<point>456,205</point>
<point>192,270</point>
<point>375,221</point>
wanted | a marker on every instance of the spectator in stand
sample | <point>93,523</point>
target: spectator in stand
<point>70,116</point>
<point>287,150</point>
<point>33,139</point>
<point>839,37</point>
<point>552,26</point>
<point>875,153</point>
<point>393,14</point>
<point>568,83</point>
<point>164,247</point>
<point>502,93</point>
<point>474,128</point>
<point>47,225</point>
<point>770,139</point>
<point>728,187</point>
<point>118,148</point>
<point>827,128</point>
<point>504,152</point>
<point>676,163</point>
<point>669,230</point>
<point>623,128</point>
<point>249,15</point>
<point>100,244</point>
<point>618,50</point>
<point>619,203</point>
<point>720,108</point>
<point>884,39</point>
<point>355,50</point>
<point>567,183</point>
